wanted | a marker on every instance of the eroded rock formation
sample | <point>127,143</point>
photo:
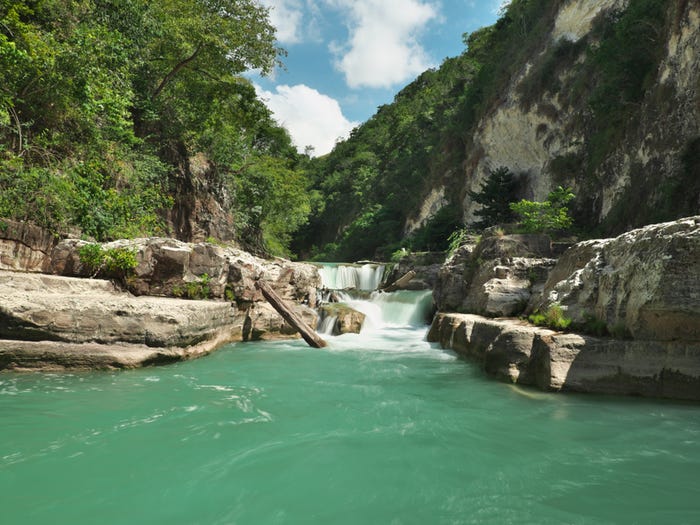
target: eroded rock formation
<point>148,318</point>
<point>643,287</point>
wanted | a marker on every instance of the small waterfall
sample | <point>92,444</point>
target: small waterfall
<point>327,325</point>
<point>396,309</point>
<point>366,277</point>
<point>403,309</point>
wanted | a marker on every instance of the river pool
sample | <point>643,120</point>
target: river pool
<point>379,428</point>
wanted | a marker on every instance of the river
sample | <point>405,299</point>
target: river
<point>378,428</point>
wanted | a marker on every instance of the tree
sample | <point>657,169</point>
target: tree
<point>545,217</point>
<point>495,195</point>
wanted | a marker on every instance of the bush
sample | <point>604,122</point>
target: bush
<point>552,317</point>
<point>545,217</point>
<point>113,262</point>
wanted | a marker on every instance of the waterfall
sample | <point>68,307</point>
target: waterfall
<point>384,312</point>
<point>396,309</point>
<point>366,277</point>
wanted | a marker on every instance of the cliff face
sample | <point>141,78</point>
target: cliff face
<point>631,161</point>
<point>641,288</point>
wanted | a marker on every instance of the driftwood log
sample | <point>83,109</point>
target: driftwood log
<point>289,315</point>
<point>402,281</point>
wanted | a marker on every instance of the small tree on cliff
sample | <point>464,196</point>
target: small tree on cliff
<point>545,217</point>
<point>495,195</point>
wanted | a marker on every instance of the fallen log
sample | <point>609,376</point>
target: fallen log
<point>402,281</point>
<point>289,315</point>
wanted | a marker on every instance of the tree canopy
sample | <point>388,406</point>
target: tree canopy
<point>103,101</point>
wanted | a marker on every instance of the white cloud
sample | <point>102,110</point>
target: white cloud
<point>383,50</point>
<point>286,16</point>
<point>312,118</point>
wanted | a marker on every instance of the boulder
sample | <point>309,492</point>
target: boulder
<point>345,320</point>
<point>644,284</point>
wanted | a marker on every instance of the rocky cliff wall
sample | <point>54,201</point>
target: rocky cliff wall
<point>641,288</point>
<point>543,125</point>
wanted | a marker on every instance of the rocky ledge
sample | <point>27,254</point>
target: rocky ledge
<point>517,352</point>
<point>639,292</point>
<point>53,316</point>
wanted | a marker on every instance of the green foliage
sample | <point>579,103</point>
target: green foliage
<point>372,181</point>
<point>113,262</point>
<point>549,216</point>
<point>196,290</point>
<point>553,317</point>
<point>457,238</point>
<point>103,102</point>
<point>622,68</point>
<point>592,325</point>
<point>543,78</point>
<point>495,195</point>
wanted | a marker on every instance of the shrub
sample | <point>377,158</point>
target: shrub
<point>113,262</point>
<point>545,217</point>
<point>553,317</point>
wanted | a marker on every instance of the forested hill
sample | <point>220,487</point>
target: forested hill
<point>598,96</point>
<point>123,118</point>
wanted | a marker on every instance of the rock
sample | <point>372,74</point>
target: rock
<point>24,247</point>
<point>496,277</point>
<point>48,321</point>
<point>347,320</point>
<point>644,283</point>
<point>426,265</point>
<point>75,311</point>
<point>263,323</point>
<point>516,352</point>
<point>37,307</point>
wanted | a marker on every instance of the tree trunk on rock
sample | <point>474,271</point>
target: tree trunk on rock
<point>311,337</point>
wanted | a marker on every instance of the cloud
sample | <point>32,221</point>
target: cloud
<point>382,49</point>
<point>286,16</point>
<point>312,118</point>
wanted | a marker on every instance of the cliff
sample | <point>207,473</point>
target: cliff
<point>599,95</point>
<point>559,121</point>
<point>632,305</point>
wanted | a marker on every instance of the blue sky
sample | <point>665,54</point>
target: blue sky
<point>347,57</point>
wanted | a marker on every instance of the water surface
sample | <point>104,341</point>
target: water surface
<point>379,428</point>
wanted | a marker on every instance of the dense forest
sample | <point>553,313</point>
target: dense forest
<point>114,113</point>
<point>375,179</point>
<point>104,104</point>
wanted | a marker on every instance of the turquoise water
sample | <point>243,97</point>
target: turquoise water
<point>379,428</point>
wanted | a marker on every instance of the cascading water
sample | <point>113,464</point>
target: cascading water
<point>366,277</point>
<point>401,310</point>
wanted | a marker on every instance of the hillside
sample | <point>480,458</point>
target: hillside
<point>126,119</point>
<point>598,96</point>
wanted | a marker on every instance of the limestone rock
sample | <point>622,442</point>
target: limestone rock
<point>24,247</point>
<point>516,352</point>
<point>497,277</point>
<point>37,307</point>
<point>346,320</point>
<point>263,323</point>
<point>426,265</point>
<point>645,283</point>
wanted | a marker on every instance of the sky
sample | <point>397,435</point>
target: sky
<point>348,57</point>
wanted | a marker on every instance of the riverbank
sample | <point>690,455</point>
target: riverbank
<point>632,304</point>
